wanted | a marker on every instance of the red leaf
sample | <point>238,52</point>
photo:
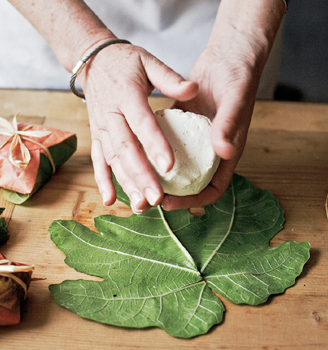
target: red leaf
<point>12,293</point>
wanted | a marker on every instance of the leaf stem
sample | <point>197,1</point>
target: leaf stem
<point>228,231</point>
<point>176,240</point>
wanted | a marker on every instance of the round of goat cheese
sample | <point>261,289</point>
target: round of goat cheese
<point>195,160</point>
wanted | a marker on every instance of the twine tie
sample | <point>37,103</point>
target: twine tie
<point>17,136</point>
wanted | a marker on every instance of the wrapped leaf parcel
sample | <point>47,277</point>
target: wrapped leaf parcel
<point>15,280</point>
<point>3,229</point>
<point>29,155</point>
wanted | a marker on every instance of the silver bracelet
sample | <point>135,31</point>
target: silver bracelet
<point>80,65</point>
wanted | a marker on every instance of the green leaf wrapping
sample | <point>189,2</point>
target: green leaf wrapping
<point>154,265</point>
<point>60,153</point>
<point>3,229</point>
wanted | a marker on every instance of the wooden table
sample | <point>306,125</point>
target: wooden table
<point>287,152</point>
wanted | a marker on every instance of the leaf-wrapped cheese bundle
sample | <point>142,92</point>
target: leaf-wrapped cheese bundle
<point>3,229</point>
<point>46,154</point>
<point>15,279</point>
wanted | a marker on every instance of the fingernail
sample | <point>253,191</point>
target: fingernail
<point>188,83</point>
<point>166,204</point>
<point>105,198</point>
<point>152,196</point>
<point>136,198</point>
<point>137,211</point>
<point>162,164</point>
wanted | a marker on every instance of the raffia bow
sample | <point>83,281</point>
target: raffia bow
<point>8,270</point>
<point>11,130</point>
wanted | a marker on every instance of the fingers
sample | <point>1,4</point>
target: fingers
<point>103,173</point>
<point>230,125</point>
<point>138,201</point>
<point>210,195</point>
<point>115,147</point>
<point>141,120</point>
<point>229,133</point>
<point>168,82</point>
<point>133,161</point>
<point>101,153</point>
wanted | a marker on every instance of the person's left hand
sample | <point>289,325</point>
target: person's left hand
<point>228,74</point>
<point>228,85</point>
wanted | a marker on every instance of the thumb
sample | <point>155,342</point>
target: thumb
<point>230,127</point>
<point>168,82</point>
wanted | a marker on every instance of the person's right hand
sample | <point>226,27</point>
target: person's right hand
<point>116,84</point>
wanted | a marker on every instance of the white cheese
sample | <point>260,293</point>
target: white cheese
<point>195,159</point>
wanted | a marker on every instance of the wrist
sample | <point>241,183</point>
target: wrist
<point>85,45</point>
<point>70,27</point>
<point>81,64</point>
<point>249,26</point>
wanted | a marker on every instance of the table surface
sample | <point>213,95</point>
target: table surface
<point>286,152</point>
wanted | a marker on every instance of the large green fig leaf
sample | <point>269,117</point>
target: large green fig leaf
<point>158,268</point>
<point>149,277</point>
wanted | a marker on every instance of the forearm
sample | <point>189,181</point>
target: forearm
<point>69,26</point>
<point>256,20</point>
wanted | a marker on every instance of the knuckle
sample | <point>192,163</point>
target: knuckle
<point>239,143</point>
<point>139,178</point>
<point>123,147</point>
<point>143,126</point>
<point>110,158</point>
<point>168,76</point>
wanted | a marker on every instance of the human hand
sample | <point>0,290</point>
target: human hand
<point>228,80</point>
<point>228,73</point>
<point>116,84</point>
<point>227,93</point>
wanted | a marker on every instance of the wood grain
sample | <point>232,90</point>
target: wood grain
<point>286,152</point>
